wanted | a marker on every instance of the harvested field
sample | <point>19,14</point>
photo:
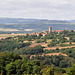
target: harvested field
<point>36,44</point>
<point>25,41</point>
<point>50,48</point>
<point>73,43</point>
<point>54,48</point>
<point>69,43</point>
<point>29,41</point>
<point>56,54</point>
<point>48,54</point>
<point>67,38</point>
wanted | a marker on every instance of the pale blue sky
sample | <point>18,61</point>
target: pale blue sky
<point>38,9</point>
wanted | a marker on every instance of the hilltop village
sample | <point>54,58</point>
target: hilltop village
<point>43,33</point>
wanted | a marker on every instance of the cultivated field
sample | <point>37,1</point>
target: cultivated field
<point>54,48</point>
<point>48,54</point>
<point>36,44</point>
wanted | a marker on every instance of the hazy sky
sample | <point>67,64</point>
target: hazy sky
<point>38,9</point>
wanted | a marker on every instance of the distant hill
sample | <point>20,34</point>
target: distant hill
<point>22,20</point>
<point>22,25</point>
<point>72,21</point>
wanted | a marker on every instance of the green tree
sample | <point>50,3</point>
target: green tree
<point>11,68</point>
<point>71,71</point>
<point>47,71</point>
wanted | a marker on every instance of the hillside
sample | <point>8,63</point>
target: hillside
<point>52,54</point>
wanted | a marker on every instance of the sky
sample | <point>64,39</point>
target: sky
<point>38,9</point>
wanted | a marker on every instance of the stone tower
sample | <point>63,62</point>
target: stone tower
<point>50,29</point>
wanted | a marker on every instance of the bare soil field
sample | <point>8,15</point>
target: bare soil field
<point>36,44</point>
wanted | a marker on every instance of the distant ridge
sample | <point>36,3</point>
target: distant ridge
<point>72,21</point>
<point>22,20</point>
<point>34,25</point>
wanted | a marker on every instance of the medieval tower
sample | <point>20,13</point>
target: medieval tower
<point>50,29</point>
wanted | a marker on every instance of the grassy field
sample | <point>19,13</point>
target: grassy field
<point>9,35</point>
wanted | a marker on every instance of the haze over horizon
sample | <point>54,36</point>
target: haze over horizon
<point>38,9</point>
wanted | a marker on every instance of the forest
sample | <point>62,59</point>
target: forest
<point>13,64</point>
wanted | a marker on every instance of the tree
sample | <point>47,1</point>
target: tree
<point>11,68</point>
<point>63,64</point>
<point>47,71</point>
<point>71,71</point>
<point>36,69</point>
